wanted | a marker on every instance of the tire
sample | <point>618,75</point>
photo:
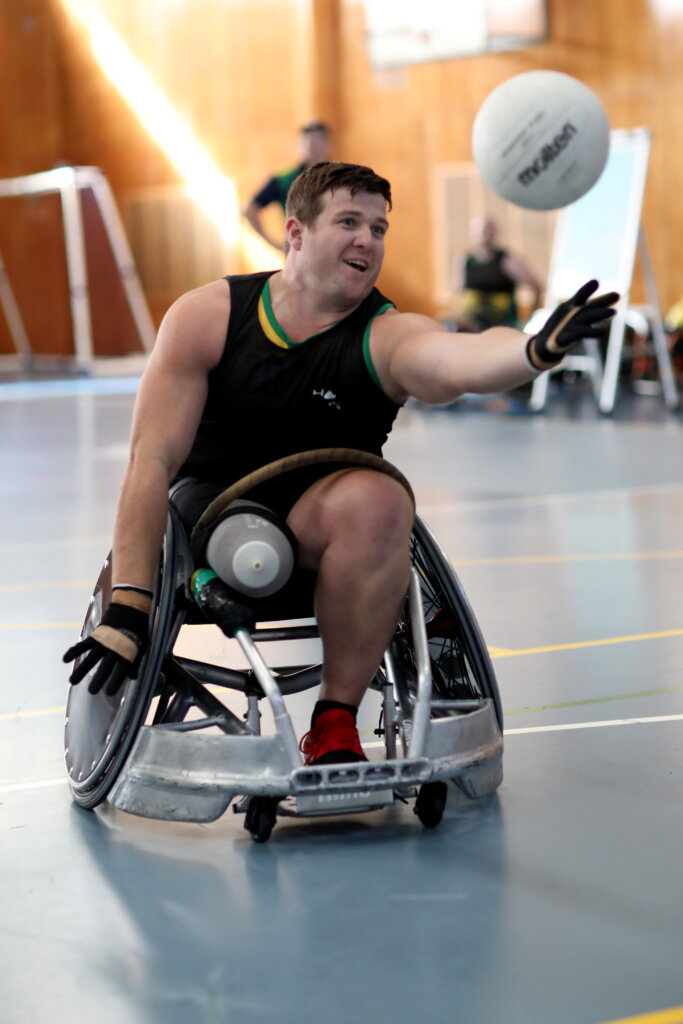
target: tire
<point>460,663</point>
<point>260,818</point>
<point>99,730</point>
<point>431,803</point>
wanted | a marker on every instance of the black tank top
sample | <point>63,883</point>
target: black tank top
<point>488,276</point>
<point>269,397</point>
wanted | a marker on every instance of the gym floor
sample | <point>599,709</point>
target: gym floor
<point>555,901</point>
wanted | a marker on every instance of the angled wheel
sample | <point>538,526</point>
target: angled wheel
<point>460,663</point>
<point>431,803</point>
<point>99,729</point>
<point>260,818</point>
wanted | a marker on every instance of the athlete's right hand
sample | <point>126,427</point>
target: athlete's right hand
<point>117,644</point>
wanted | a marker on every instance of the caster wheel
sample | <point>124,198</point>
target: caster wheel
<point>260,818</point>
<point>431,803</point>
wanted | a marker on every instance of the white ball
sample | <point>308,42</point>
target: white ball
<point>541,140</point>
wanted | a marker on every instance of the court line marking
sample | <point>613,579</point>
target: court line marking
<point>595,700</point>
<point>7,715</point>
<point>18,390</point>
<point>571,726</point>
<point>40,625</point>
<point>625,556</point>
<point>504,652</point>
<point>17,787</point>
<point>448,508</point>
<point>567,727</point>
<point>103,542</point>
<point>54,585</point>
<point>495,652</point>
<point>673,489</point>
<point>32,714</point>
<point>674,1015</point>
<point>445,507</point>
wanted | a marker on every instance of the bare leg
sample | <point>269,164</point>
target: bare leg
<point>354,528</point>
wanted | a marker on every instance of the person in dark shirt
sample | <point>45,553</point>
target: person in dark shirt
<point>315,144</point>
<point>486,281</point>
<point>249,368</point>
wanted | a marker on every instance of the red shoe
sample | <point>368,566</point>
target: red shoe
<point>332,740</point>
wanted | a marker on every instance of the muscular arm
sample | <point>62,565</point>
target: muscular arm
<point>167,412</point>
<point>414,355</point>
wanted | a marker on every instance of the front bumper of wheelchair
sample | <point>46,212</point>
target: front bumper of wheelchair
<point>192,777</point>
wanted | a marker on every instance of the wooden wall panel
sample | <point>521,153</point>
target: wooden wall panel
<point>32,246</point>
<point>99,128</point>
<point>405,122</point>
<point>247,73</point>
<point>238,72</point>
<point>31,139</point>
<point>31,116</point>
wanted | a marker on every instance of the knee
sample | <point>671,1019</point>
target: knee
<point>372,506</point>
<point>365,513</point>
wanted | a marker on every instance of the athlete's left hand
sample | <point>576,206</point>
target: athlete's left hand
<point>573,320</point>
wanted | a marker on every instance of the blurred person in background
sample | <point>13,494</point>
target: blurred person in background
<point>485,283</point>
<point>315,144</point>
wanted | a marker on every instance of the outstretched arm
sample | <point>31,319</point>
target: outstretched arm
<point>414,355</point>
<point>437,367</point>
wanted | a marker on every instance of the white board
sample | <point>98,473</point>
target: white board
<point>597,236</point>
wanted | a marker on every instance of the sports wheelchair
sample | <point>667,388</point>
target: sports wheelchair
<point>165,746</point>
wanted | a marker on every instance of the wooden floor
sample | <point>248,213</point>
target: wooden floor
<point>557,901</point>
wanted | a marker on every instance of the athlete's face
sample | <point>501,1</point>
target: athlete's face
<point>344,248</point>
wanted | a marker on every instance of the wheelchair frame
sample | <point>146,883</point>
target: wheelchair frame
<point>439,697</point>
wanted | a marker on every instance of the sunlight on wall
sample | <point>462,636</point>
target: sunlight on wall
<point>208,187</point>
<point>258,255</point>
<point>668,8</point>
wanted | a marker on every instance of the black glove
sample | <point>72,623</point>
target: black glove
<point>568,324</point>
<point>114,668</point>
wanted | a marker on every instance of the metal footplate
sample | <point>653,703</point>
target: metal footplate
<point>318,804</point>
<point>337,789</point>
<point>362,775</point>
<point>194,777</point>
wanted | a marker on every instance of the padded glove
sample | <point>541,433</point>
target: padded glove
<point>118,644</point>
<point>573,320</point>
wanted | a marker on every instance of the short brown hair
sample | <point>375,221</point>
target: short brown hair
<point>304,199</point>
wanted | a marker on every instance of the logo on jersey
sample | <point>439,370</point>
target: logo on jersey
<point>328,397</point>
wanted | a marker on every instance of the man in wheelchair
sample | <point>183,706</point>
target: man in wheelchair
<point>256,367</point>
